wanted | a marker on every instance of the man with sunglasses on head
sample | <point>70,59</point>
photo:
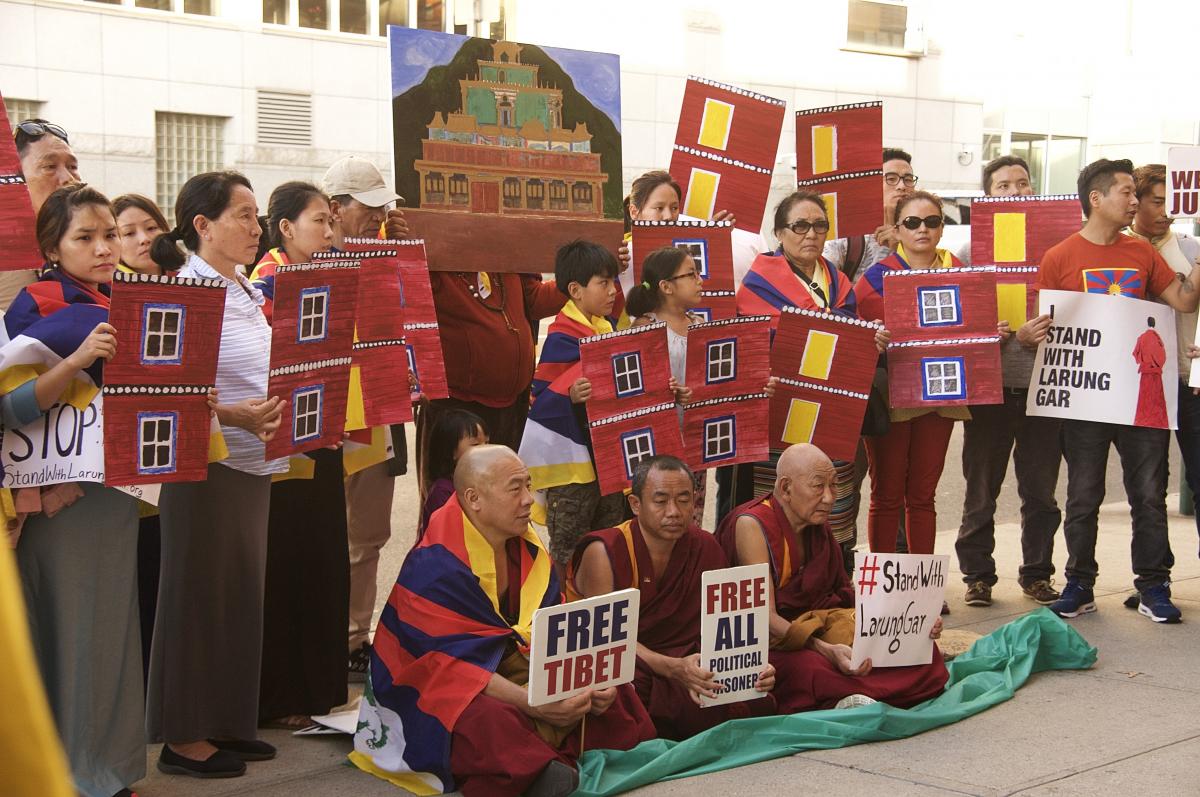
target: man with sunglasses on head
<point>993,434</point>
<point>1099,259</point>
<point>47,164</point>
<point>855,255</point>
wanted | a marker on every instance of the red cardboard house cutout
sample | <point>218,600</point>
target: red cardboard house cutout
<point>426,359</point>
<point>18,226</point>
<point>725,148</point>
<point>1017,230</point>
<point>156,416</point>
<point>1016,294</point>
<point>729,358</point>
<point>945,350</point>
<point>711,246</point>
<point>629,370</point>
<point>837,156</point>
<point>825,364</point>
<point>621,441</point>
<point>726,431</point>
<point>311,338</point>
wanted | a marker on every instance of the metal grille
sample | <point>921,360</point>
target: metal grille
<point>284,118</point>
<point>21,110</point>
<point>185,145</point>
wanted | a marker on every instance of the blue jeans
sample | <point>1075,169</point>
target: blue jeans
<point>1143,454</point>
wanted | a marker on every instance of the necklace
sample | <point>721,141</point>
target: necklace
<point>498,290</point>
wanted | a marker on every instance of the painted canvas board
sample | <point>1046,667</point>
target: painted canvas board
<point>837,155</point>
<point>725,148</point>
<point>504,151</point>
<point>1017,230</point>
<point>18,239</point>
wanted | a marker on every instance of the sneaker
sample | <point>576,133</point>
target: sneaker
<point>1042,591</point>
<point>978,594</point>
<point>360,663</point>
<point>1156,604</point>
<point>854,701</point>
<point>1076,599</point>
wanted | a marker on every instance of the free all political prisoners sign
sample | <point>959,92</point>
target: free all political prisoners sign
<point>733,630</point>
<point>586,644</point>
<point>898,597</point>
<point>1106,358</point>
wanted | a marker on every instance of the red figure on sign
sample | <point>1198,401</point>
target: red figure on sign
<point>1150,354</point>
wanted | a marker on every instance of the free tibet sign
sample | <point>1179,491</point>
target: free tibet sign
<point>587,644</point>
<point>897,599</point>
<point>733,630</point>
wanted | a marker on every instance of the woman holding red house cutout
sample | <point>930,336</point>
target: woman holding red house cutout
<point>906,463</point>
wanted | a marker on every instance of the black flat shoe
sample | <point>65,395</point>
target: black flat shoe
<point>245,749</point>
<point>218,765</point>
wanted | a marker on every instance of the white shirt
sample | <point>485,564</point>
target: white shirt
<point>243,365</point>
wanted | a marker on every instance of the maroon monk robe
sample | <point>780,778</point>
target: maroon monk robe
<point>805,679</point>
<point>496,750</point>
<point>669,622</point>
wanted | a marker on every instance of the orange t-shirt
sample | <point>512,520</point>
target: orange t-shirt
<point>1128,267</point>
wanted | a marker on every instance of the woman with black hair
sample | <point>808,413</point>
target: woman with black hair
<point>204,663</point>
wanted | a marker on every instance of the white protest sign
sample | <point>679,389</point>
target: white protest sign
<point>898,598</point>
<point>143,492</point>
<point>1106,358</point>
<point>587,644</point>
<point>63,445</point>
<point>733,630</point>
<point>1194,373</point>
<point>1183,182</point>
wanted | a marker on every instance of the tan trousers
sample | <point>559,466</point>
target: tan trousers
<point>368,525</point>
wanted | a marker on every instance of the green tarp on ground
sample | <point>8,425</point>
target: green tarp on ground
<point>987,674</point>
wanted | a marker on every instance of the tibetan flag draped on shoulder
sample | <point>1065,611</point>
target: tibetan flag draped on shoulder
<point>770,285</point>
<point>440,638</point>
<point>45,324</point>
<point>869,288</point>
<point>263,277</point>
<point>554,446</point>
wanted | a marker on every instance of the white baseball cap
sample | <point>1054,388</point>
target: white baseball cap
<point>361,179</point>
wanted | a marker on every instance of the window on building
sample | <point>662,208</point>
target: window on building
<point>698,251</point>
<point>720,359</point>
<point>107,2</point>
<point>275,12</point>
<point>204,7</point>
<point>435,187</point>
<point>636,446</point>
<point>581,196</point>
<point>943,378</point>
<point>939,306</point>
<point>156,442</point>
<point>353,16</point>
<point>185,145</point>
<point>460,189</point>
<point>558,195</point>
<point>627,373</point>
<point>512,192</point>
<point>882,25</point>
<point>162,333</point>
<point>157,5</point>
<point>21,110</point>
<point>431,15</point>
<point>392,12</point>
<point>306,413</point>
<point>314,311</point>
<point>314,14</point>
<point>535,194</point>
<point>1054,161</point>
<point>719,438</point>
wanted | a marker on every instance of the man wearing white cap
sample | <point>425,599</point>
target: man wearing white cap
<point>360,200</point>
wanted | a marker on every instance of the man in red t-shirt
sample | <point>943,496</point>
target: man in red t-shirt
<point>1099,259</point>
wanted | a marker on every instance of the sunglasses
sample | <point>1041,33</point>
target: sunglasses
<point>36,130</point>
<point>913,222</point>
<point>802,227</point>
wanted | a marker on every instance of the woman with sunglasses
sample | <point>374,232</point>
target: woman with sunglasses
<point>906,463</point>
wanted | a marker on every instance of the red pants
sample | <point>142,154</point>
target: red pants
<point>905,466</point>
<point>496,752</point>
<point>806,681</point>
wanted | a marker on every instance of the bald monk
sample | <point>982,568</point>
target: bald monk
<point>812,607</point>
<point>446,707</point>
<point>662,553</point>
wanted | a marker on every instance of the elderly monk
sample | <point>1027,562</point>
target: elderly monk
<point>812,607</point>
<point>662,553</point>
<point>446,705</point>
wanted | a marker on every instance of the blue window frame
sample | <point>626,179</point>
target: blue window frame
<point>412,366</point>
<point>720,438</point>
<point>157,434</point>
<point>307,403</point>
<point>162,333</point>
<point>943,378</point>
<point>312,322</point>
<point>698,249</point>
<point>939,306</point>
<point>636,445</point>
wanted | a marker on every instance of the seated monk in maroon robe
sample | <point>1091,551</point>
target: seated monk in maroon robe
<point>662,553</point>
<point>812,608</point>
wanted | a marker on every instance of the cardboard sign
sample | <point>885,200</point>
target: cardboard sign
<point>725,147</point>
<point>621,441</point>
<point>709,242</point>
<point>629,370</point>
<point>426,360</point>
<point>734,633</point>
<point>504,151</point>
<point>18,239</point>
<point>63,445</point>
<point>1016,295</point>
<point>726,431</point>
<point>837,156</point>
<point>1183,182</point>
<point>897,599</point>
<point>1017,230</point>
<point>1106,358</point>
<point>587,644</point>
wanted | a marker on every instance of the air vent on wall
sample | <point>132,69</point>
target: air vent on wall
<point>285,118</point>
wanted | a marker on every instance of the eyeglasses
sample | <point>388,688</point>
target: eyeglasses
<point>36,130</point>
<point>802,227</point>
<point>693,275</point>
<point>913,222</point>
<point>894,179</point>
